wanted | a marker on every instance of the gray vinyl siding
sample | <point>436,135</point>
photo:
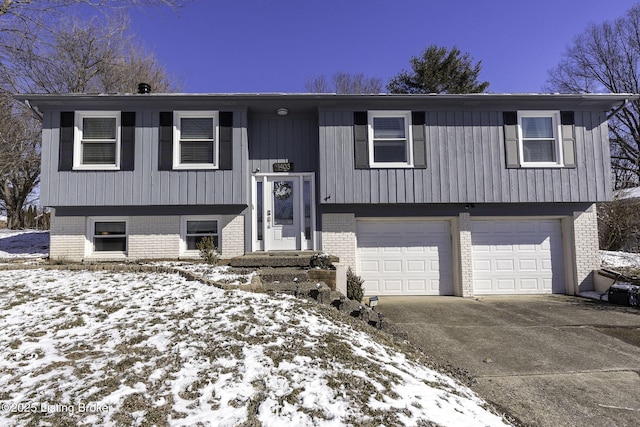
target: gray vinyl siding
<point>277,139</point>
<point>465,164</point>
<point>145,185</point>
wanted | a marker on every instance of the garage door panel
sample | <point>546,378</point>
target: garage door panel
<point>482,248</point>
<point>482,284</point>
<point>523,256</point>
<point>505,265</point>
<point>394,266</point>
<point>416,266</point>
<point>393,250</point>
<point>418,285</point>
<point>372,286</point>
<point>527,265</point>
<point>391,287</point>
<point>370,266</point>
<point>482,265</point>
<point>529,284</point>
<point>506,284</point>
<point>415,257</point>
<point>434,266</point>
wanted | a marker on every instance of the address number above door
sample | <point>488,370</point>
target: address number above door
<point>283,167</point>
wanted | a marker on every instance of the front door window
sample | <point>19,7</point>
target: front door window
<point>283,206</point>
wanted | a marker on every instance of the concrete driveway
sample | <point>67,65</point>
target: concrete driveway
<point>547,360</point>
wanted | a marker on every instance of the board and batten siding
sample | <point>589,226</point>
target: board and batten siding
<point>145,185</point>
<point>465,164</point>
<point>274,139</point>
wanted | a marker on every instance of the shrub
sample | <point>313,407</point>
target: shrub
<point>208,251</point>
<point>322,261</point>
<point>619,225</point>
<point>354,286</point>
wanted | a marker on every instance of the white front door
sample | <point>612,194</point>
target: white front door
<point>284,212</point>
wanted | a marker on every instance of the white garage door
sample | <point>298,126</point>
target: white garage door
<point>517,257</point>
<point>405,257</point>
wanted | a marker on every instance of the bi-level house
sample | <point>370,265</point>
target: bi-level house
<point>419,194</point>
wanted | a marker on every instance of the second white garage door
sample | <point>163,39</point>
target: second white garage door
<point>405,257</point>
<point>517,257</point>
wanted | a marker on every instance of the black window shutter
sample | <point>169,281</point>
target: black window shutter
<point>567,121</point>
<point>127,140</point>
<point>360,132</point>
<point>65,152</point>
<point>510,124</point>
<point>419,140</point>
<point>225,160</point>
<point>165,146</point>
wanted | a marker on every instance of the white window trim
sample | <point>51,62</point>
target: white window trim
<point>183,232</point>
<point>557,126</point>
<point>407,123</point>
<point>214,115</point>
<point>90,251</point>
<point>77,140</point>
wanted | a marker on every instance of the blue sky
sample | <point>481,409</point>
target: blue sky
<point>231,46</point>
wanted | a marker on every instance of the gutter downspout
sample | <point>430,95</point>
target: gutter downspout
<point>618,109</point>
<point>34,110</point>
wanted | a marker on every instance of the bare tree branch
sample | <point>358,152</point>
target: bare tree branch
<point>342,82</point>
<point>68,56</point>
<point>606,58</point>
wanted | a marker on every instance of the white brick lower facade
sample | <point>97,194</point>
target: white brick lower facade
<point>339,237</point>
<point>586,248</point>
<point>232,240</point>
<point>148,237</point>
<point>465,286</point>
<point>67,237</point>
<point>159,237</point>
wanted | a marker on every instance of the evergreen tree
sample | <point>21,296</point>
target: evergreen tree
<point>439,71</point>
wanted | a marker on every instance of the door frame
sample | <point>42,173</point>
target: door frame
<point>301,242</point>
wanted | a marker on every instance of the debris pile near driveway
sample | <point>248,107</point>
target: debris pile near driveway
<point>625,289</point>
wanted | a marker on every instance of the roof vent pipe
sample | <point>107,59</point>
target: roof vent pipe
<point>144,88</point>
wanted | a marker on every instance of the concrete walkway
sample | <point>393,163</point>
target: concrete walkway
<point>547,360</point>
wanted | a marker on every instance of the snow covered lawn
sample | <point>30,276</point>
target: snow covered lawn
<point>107,348</point>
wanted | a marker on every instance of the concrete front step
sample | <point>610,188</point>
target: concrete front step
<point>276,259</point>
<point>283,274</point>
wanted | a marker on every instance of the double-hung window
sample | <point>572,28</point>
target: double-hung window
<point>194,229</point>
<point>196,140</point>
<point>97,142</point>
<point>539,138</point>
<point>108,236</point>
<point>390,142</point>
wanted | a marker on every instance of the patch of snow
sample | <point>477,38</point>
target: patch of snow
<point>23,243</point>
<point>158,349</point>
<point>627,193</point>
<point>218,273</point>
<point>594,295</point>
<point>619,259</point>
